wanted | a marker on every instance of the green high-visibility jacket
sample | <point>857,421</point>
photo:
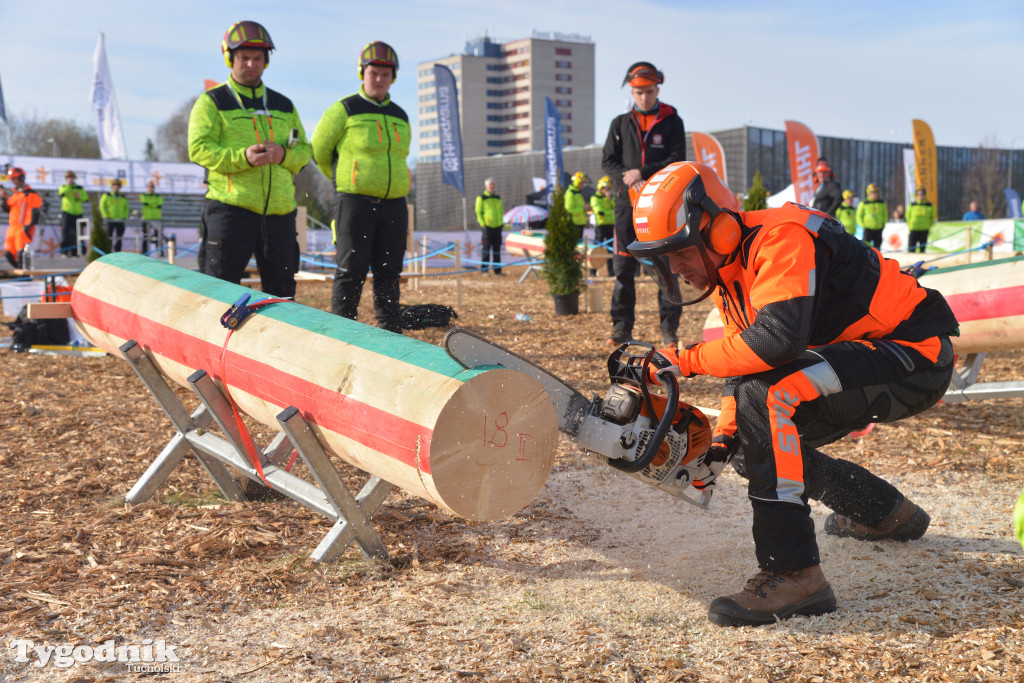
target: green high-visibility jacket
<point>575,205</point>
<point>489,211</point>
<point>603,208</point>
<point>847,215</point>
<point>113,207</point>
<point>230,118</point>
<point>872,215</point>
<point>152,206</point>
<point>362,144</point>
<point>920,215</point>
<point>71,198</point>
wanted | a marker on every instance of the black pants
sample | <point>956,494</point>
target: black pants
<point>785,414</point>
<point>232,235</point>
<point>874,237</point>
<point>69,233</point>
<point>604,234</point>
<point>623,306</point>
<point>369,233</point>
<point>116,231</point>
<point>917,241</point>
<point>150,235</point>
<point>490,249</point>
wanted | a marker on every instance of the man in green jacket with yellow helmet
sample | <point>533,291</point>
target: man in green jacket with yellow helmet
<point>72,196</point>
<point>575,204</point>
<point>251,141</point>
<point>362,142</point>
<point>114,210</point>
<point>872,215</point>
<point>602,204</point>
<point>490,216</point>
<point>846,213</point>
<point>920,219</point>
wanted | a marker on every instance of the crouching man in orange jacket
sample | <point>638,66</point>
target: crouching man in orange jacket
<point>822,336</point>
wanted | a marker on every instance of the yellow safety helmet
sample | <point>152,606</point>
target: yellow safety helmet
<point>871,188</point>
<point>605,181</point>
<point>579,179</point>
<point>245,34</point>
<point>379,54</point>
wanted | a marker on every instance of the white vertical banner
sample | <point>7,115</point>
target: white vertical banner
<point>104,104</point>
<point>909,179</point>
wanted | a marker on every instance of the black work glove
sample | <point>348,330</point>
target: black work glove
<point>711,464</point>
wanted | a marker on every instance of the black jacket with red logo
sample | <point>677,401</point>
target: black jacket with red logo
<point>628,147</point>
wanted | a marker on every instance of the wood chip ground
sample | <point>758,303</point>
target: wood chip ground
<point>599,579</point>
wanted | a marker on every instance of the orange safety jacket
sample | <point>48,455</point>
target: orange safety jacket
<point>24,206</point>
<point>800,281</point>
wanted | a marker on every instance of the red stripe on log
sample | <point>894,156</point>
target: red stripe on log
<point>385,433</point>
<point>987,304</point>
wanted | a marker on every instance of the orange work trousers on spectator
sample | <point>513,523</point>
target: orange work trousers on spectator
<point>17,239</point>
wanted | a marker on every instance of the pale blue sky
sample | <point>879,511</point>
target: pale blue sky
<point>859,69</point>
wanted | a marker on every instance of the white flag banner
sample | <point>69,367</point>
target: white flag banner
<point>104,104</point>
<point>909,177</point>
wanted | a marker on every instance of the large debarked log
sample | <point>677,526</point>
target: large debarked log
<point>479,443</point>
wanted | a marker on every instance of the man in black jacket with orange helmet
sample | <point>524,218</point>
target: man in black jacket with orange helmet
<point>640,143</point>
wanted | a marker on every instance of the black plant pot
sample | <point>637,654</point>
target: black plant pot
<point>567,304</point>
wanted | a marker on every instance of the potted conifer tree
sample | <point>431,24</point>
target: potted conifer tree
<point>562,267</point>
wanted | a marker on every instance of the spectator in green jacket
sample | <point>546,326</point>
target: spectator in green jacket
<point>114,210</point>
<point>251,141</point>
<point>847,214</point>
<point>872,214</point>
<point>72,196</point>
<point>490,216</point>
<point>602,204</point>
<point>362,142</point>
<point>152,216</point>
<point>920,219</point>
<point>574,202</point>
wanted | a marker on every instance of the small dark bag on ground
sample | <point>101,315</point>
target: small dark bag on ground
<point>422,316</point>
<point>27,332</point>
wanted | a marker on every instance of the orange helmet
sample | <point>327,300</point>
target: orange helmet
<point>14,173</point>
<point>822,166</point>
<point>685,208</point>
<point>642,74</point>
<point>246,34</point>
<point>379,54</point>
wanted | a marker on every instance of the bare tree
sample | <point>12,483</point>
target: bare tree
<point>172,134</point>
<point>985,177</point>
<point>314,191</point>
<point>36,137</point>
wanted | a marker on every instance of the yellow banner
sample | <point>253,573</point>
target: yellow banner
<point>926,166</point>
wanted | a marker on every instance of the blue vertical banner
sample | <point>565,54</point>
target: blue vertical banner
<point>1013,208</point>
<point>448,124</point>
<point>552,147</point>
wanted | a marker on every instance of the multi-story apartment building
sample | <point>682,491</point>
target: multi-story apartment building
<point>502,87</point>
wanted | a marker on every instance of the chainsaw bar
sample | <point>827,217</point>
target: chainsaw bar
<point>471,351</point>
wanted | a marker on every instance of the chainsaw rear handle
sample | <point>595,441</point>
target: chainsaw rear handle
<point>668,380</point>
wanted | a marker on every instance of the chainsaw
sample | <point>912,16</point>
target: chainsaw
<point>655,438</point>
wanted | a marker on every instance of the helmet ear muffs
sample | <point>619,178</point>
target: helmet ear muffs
<point>724,234</point>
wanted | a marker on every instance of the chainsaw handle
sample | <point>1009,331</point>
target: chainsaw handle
<point>671,385</point>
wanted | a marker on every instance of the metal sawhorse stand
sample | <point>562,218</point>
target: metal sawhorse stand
<point>966,387</point>
<point>351,515</point>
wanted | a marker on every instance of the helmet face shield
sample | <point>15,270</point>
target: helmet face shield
<point>684,277</point>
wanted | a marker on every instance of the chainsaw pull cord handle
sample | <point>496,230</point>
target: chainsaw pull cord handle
<point>668,380</point>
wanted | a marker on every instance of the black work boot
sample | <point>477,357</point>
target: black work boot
<point>907,522</point>
<point>774,595</point>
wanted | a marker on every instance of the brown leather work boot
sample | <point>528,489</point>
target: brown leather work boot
<point>775,595</point>
<point>907,522</point>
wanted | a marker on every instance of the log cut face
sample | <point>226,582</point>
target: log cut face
<point>479,443</point>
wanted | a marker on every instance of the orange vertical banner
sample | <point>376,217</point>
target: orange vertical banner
<point>803,152</point>
<point>926,164</point>
<point>708,150</point>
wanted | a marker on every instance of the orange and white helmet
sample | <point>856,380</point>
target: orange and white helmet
<point>687,209</point>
